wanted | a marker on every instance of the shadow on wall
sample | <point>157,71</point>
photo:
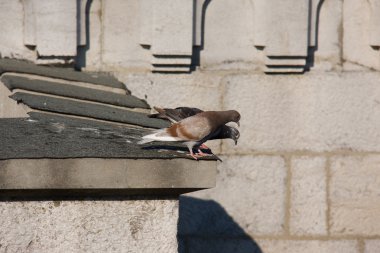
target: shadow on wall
<point>311,51</point>
<point>80,61</point>
<point>196,57</point>
<point>204,226</point>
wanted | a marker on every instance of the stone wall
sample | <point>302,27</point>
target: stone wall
<point>305,174</point>
<point>133,225</point>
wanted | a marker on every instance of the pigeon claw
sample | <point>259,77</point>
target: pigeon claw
<point>194,156</point>
<point>204,146</point>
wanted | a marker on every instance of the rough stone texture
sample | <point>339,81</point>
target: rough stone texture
<point>51,136</point>
<point>374,23</point>
<point>372,246</point>
<point>11,27</point>
<point>8,107</point>
<point>115,34</point>
<point>229,25</point>
<point>89,226</point>
<point>328,44</point>
<point>311,246</point>
<point>308,117</point>
<point>11,65</point>
<point>116,174</point>
<point>199,90</point>
<point>170,38</point>
<point>308,196</point>
<point>54,37</point>
<point>286,38</point>
<point>259,209</point>
<point>172,35</point>
<point>121,46</point>
<point>87,109</point>
<point>356,24</point>
<point>310,112</point>
<point>354,195</point>
<point>91,59</point>
<point>72,91</point>
<point>241,25</point>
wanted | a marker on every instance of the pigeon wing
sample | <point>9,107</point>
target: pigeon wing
<point>175,115</point>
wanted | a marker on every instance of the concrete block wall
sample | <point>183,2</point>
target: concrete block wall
<point>305,175</point>
<point>89,226</point>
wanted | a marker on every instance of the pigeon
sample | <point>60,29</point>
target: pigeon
<point>194,130</point>
<point>180,113</point>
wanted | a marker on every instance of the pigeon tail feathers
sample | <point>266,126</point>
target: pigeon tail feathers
<point>158,135</point>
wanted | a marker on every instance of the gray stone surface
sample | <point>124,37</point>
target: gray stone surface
<point>229,36</point>
<point>11,26</point>
<point>286,38</point>
<point>72,91</point>
<point>50,136</point>
<point>87,109</point>
<point>374,39</point>
<point>11,65</point>
<point>172,34</point>
<point>200,90</point>
<point>170,177</point>
<point>52,37</point>
<point>170,37</point>
<point>92,57</point>
<point>355,202</point>
<point>308,196</point>
<point>310,246</point>
<point>357,24</point>
<point>258,210</point>
<point>333,111</point>
<point>372,246</point>
<point>113,221</point>
<point>328,53</point>
<point>129,225</point>
<point>120,38</point>
<point>9,107</point>
<point>118,29</point>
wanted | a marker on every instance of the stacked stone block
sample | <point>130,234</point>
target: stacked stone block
<point>304,176</point>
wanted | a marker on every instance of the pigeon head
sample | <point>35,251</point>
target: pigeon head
<point>235,134</point>
<point>227,132</point>
<point>234,116</point>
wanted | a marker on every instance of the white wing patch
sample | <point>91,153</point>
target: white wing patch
<point>160,135</point>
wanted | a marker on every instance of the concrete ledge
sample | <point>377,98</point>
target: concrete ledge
<point>17,66</point>
<point>103,177</point>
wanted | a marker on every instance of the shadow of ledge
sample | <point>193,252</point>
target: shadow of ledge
<point>205,226</point>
